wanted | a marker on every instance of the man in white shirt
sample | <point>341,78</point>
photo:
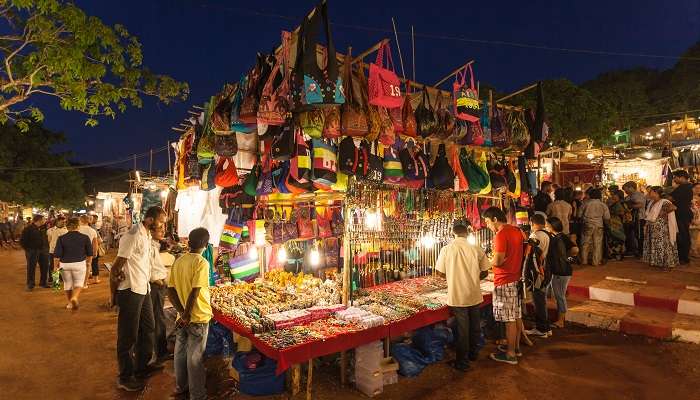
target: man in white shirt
<point>464,265</point>
<point>53,234</point>
<point>159,289</point>
<point>129,281</point>
<point>88,231</point>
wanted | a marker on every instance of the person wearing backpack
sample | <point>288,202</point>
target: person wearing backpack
<point>559,246</point>
<point>540,282</point>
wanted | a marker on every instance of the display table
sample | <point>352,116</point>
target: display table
<point>298,354</point>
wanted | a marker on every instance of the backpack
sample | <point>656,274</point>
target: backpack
<point>532,265</point>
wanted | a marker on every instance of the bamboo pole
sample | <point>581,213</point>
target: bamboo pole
<point>451,74</point>
<point>523,90</point>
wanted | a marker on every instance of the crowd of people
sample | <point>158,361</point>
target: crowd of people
<point>660,225</point>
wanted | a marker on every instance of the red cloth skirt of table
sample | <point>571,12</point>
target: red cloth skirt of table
<point>306,351</point>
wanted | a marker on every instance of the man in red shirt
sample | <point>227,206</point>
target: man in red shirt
<point>507,265</point>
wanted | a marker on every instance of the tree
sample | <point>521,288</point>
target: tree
<point>51,48</point>
<point>627,92</point>
<point>572,113</point>
<point>22,151</point>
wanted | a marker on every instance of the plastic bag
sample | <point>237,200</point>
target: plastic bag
<point>411,361</point>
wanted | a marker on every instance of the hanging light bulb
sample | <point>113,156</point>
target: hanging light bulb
<point>471,239</point>
<point>590,156</point>
<point>428,240</point>
<point>373,220</point>
<point>260,240</point>
<point>282,255</point>
<point>314,257</point>
<point>253,253</point>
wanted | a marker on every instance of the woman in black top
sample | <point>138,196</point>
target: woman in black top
<point>558,263</point>
<point>73,253</point>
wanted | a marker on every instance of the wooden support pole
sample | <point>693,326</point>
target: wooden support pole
<point>451,74</point>
<point>178,129</point>
<point>369,51</point>
<point>387,346</point>
<point>343,368</point>
<point>296,379</point>
<point>309,379</point>
<point>523,90</point>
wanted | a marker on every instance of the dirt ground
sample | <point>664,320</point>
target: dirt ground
<point>48,352</point>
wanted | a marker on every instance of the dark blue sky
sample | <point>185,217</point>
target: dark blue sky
<point>210,42</point>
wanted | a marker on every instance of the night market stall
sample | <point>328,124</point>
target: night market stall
<point>328,193</point>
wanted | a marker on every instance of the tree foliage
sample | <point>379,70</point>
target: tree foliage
<point>33,149</point>
<point>572,112</point>
<point>52,48</point>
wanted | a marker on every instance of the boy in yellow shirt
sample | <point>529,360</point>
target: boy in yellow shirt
<point>189,285</point>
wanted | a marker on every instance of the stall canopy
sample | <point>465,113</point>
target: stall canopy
<point>646,172</point>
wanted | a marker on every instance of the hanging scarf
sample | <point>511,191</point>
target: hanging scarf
<point>652,214</point>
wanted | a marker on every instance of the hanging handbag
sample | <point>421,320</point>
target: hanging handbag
<point>235,196</point>
<point>387,136</point>
<point>250,184</point>
<point>226,173</point>
<point>410,127</point>
<point>499,132</point>
<point>481,162</point>
<point>312,122</point>
<point>478,178</point>
<point>304,224</point>
<point>193,169</point>
<point>414,166</point>
<point>208,180</point>
<point>279,177</point>
<point>243,267</point>
<point>331,122</point>
<point>348,156</point>
<point>312,86</point>
<point>225,145</point>
<point>301,166</point>
<point>441,174</point>
<point>337,223</point>
<point>233,229</point>
<point>353,112</point>
<point>324,164</point>
<point>331,253</point>
<point>274,103</point>
<point>425,116</point>
<point>384,88</point>
<point>249,106</point>
<point>266,184</point>
<point>374,170</point>
<point>393,172</point>
<point>462,182</point>
<point>283,145</point>
<point>466,98</point>
<point>519,134</point>
<point>221,117</point>
<point>445,120</point>
<point>374,121</point>
<point>486,125</point>
<point>323,223</point>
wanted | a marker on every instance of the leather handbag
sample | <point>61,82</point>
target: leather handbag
<point>274,103</point>
<point>466,97</point>
<point>353,113</point>
<point>387,136</point>
<point>384,86</point>
<point>221,117</point>
<point>410,128</point>
<point>425,116</point>
<point>312,86</point>
<point>225,145</point>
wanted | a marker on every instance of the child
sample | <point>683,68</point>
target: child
<point>188,289</point>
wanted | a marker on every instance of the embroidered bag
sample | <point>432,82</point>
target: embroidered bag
<point>324,164</point>
<point>410,128</point>
<point>441,174</point>
<point>225,145</point>
<point>466,98</point>
<point>387,136</point>
<point>283,145</point>
<point>425,116</point>
<point>274,103</point>
<point>393,172</point>
<point>384,88</point>
<point>312,86</point>
<point>353,115</point>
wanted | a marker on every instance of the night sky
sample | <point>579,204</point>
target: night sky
<point>207,43</point>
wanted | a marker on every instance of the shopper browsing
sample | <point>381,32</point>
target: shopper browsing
<point>159,289</point>
<point>507,265</point>
<point>682,198</point>
<point>541,284</point>
<point>594,214</point>
<point>87,230</point>
<point>35,245</point>
<point>53,234</point>
<point>188,290</point>
<point>559,246</point>
<point>73,251</point>
<point>129,280</point>
<point>464,265</point>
